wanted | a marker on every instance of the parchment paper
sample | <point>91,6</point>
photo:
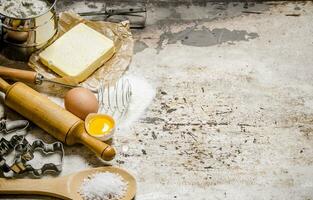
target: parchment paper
<point>111,70</point>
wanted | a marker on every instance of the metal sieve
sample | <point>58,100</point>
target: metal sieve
<point>20,37</point>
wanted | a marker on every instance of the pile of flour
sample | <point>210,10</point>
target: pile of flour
<point>143,94</point>
<point>23,8</point>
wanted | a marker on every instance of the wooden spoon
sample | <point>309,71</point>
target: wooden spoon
<point>65,187</point>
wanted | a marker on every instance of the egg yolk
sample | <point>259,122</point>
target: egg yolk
<point>100,125</point>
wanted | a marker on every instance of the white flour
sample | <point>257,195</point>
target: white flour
<point>142,95</point>
<point>23,8</point>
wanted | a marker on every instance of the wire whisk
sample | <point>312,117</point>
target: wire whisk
<point>114,99</point>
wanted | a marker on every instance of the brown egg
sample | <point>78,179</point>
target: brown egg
<point>19,37</point>
<point>81,102</point>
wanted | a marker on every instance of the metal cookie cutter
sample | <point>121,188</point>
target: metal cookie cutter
<point>8,146</point>
<point>24,151</point>
<point>9,127</point>
<point>13,126</point>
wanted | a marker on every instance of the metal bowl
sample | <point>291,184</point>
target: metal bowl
<point>20,37</point>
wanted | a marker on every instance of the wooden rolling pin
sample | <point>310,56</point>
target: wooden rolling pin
<point>52,118</point>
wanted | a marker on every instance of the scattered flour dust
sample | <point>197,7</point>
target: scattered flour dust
<point>103,186</point>
<point>142,95</point>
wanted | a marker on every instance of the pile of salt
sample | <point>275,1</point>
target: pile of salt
<point>103,186</point>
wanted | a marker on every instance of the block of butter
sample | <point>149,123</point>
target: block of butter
<point>78,53</point>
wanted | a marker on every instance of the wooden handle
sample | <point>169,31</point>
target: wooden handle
<point>4,86</point>
<point>103,150</point>
<point>47,187</point>
<point>18,74</point>
<point>52,118</point>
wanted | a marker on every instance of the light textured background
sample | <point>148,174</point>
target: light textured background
<point>233,114</point>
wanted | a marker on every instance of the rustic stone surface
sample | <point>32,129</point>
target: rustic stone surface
<point>233,114</point>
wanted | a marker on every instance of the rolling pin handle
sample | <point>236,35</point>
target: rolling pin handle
<point>4,86</point>
<point>103,150</point>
